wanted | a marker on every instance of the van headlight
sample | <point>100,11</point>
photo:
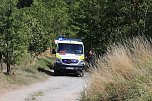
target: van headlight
<point>58,60</point>
<point>82,63</point>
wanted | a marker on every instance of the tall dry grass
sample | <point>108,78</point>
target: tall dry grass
<point>124,73</point>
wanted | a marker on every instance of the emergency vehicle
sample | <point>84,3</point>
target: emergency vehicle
<point>69,56</point>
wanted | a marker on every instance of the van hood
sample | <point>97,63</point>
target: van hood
<point>70,56</point>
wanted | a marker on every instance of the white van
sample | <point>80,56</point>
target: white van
<point>69,56</point>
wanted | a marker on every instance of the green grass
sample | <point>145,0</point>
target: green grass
<point>44,62</point>
<point>26,73</point>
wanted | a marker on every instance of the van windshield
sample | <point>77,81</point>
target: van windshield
<point>70,48</point>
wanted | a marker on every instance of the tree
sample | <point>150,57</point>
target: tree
<point>44,19</point>
<point>27,26</point>
<point>13,39</point>
<point>104,22</point>
<point>57,15</point>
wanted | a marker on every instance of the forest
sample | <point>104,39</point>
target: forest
<point>27,26</point>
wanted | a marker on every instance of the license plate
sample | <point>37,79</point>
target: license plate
<point>70,68</point>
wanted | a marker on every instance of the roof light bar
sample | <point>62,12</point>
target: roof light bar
<point>69,39</point>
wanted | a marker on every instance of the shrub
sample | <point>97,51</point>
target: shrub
<point>124,73</point>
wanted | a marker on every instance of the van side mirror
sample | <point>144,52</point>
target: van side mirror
<point>53,51</point>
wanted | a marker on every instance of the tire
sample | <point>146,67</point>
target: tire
<point>80,73</point>
<point>56,72</point>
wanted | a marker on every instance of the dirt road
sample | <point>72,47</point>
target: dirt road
<point>59,88</point>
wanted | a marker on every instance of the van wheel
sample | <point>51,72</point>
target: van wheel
<point>80,73</point>
<point>56,73</point>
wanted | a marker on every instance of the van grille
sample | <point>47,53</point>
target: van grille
<point>69,61</point>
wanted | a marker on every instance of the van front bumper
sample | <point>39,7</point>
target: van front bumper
<point>68,68</point>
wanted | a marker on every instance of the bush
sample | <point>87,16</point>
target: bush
<point>124,73</point>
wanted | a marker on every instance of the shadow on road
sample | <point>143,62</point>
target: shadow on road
<point>48,72</point>
<point>66,75</point>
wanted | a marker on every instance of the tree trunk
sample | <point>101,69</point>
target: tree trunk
<point>8,65</point>
<point>1,63</point>
<point>8,69</point>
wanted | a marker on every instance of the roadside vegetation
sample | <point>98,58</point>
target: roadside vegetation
<point>28,72</point>
<point>124,73</point>
<point>29,27</point>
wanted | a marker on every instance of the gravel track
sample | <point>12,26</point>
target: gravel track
<point>59,88</point>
